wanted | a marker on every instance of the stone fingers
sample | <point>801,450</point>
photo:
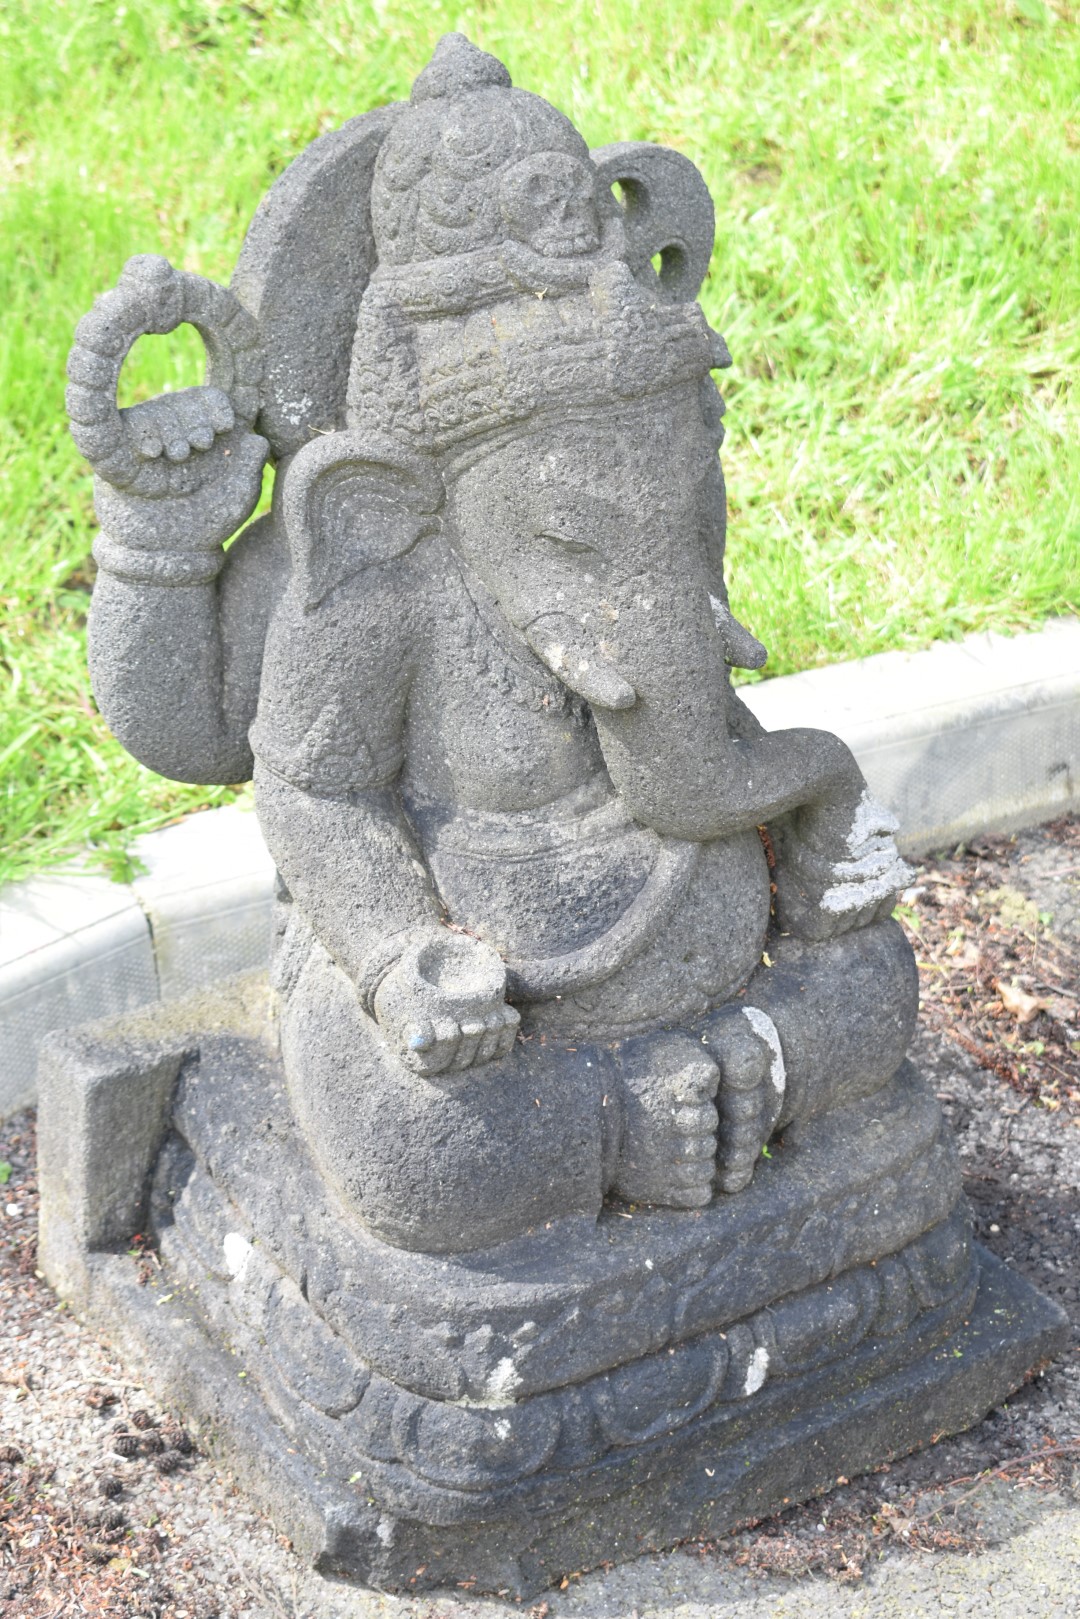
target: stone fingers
<point>432,1047</point>
<point>691,1177</point>
<point>693,1198</point>
<point>172,425</point>
<point>201,436</point>
<point>696,1084</point>
<point>488,1039</point>
<point>447,1038</point>
<point>701,1120</point>
<point>222,415</point>
<point>468,1051</point>
<point>444,1045</point>
<point>500,1032</point>
<point>744,1133</point>
<point>750,1096</point>
<point>511,1022</point>
<point>419,1047</point>
<point>147,439</point>
<point>694,1151</point>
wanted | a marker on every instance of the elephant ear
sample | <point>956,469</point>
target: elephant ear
<point>352,500</point>
<point>667,213</point>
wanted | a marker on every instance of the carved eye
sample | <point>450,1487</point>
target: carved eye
<point>566,543</point>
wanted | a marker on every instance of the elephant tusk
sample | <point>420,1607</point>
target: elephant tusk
<point>577,661</point>
<point>741,649</point>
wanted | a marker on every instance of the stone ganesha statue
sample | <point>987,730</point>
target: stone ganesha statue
<point>536,947</point>
<point>472,1264</point>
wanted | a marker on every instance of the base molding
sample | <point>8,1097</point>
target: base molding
<point>889,1329</point>
<point>715,1485</point>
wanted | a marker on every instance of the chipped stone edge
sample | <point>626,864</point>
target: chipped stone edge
<point>979,735</point>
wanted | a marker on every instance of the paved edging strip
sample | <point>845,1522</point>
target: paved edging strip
<point>972,736</point>
<point>76,947</point>
<point>978,735</point>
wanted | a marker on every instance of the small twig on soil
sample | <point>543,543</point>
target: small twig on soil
<point>985,1059</point>
<point>1072,1448</point>
<point>266,1591</point>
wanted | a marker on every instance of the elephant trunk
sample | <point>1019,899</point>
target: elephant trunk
<point>660,698</point>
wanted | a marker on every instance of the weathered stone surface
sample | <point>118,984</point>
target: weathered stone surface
<point>578,1160</point>
<point>597,1389</point>
<point>843,1190</point>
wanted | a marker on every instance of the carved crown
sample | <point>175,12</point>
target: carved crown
<point>438,179</point>
<point>504,291</point>
<point>441,382</point>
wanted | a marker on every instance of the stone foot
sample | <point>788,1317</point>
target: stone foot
<point>668,1149</point>
<point>745,1044</point>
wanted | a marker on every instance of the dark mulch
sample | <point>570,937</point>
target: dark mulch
<point>996,931</point>
<point>93,1522</point>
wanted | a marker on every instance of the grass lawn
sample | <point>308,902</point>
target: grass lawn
<point>897,272</point>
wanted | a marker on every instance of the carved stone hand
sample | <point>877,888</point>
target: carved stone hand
<point>230,477</point>
<point>823,891</point>
<point>443,1006</point>
<point>175,476</point>
<point>174,424</point>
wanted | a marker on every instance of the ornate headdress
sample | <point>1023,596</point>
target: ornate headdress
<point>503,294</point>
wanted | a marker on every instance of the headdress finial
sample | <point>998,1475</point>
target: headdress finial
<point>457,68</point>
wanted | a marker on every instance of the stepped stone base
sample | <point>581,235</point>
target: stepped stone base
<point>713,1486</point>
<point>505,1417</point>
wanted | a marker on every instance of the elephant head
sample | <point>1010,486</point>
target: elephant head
<point>602,541</point>
<point>515,337</point>
<point>601,538</point>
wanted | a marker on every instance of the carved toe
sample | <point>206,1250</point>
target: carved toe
<point>670,1121</point>
<point>744,1041</point>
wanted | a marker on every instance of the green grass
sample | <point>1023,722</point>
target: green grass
<point>897,272</point>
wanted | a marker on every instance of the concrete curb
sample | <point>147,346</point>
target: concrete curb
<point>979,735</point>
<point>972,736</point>
<point>75,947</point>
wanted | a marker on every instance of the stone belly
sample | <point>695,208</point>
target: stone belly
<point>574,896</point>
<point>553,890</point>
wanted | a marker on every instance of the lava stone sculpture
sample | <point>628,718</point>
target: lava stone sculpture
<point>568,1194</point>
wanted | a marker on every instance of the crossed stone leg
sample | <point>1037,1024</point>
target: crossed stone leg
<point>825,1025</point>
<point>469,1159</point>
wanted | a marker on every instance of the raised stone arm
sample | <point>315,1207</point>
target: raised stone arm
<point>174,661</point>
<point>176,626</point>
